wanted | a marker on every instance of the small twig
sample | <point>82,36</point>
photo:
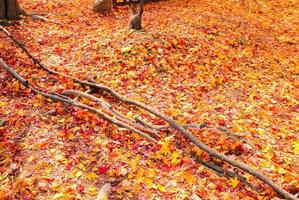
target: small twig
<point>53,111</point>
<point>225,131</point>
<point>39,17</point>
<point>192,126</point>
<point>50,112</point>
<point>144,123</point>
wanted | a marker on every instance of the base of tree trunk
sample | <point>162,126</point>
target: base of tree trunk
<point>9,10</point>
<point>102,5</point>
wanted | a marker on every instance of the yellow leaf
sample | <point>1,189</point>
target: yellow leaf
<point>2,104</point>
<point>71,136</point>
<point>56,188</point>
<point>296,147</point>
<point>92,191</point>
<point>149,182</point>
<point>91,176</point>
<point>281,171</point>
<point>38,96</point>
<point>174,158</point>
<point>161,188</point>
<point>174,112</point>
<point>126,49</point>
<point>139,175</point>
<point>75,129</point>
<point>151,173</point>
<point>76,173</point>
<point>58,196</point>
<point>234,182</point>
<point>165,148</point>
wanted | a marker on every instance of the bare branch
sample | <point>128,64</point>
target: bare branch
<point>61,98</point>
<point>108,108</point>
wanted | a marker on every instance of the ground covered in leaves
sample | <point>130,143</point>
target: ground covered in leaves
<point>231,63</point>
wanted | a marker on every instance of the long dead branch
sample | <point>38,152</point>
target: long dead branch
<point>61,98</point>
<point>168,119</point>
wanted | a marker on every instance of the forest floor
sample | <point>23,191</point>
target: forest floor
<point>232,63</point>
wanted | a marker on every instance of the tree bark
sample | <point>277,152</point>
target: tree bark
<point>9,10</point>
<point>102,5</point>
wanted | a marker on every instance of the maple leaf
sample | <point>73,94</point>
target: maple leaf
<point>165,148</point>
<point>161,188</point>
<point>102,170</point>
<point>174,158</point>
<point>76,173</point>
<point>149,182</point>
<point>139,175</point>
<point>91,176</point>
<point>234,182</point>
<point>165,144</point>
<point>296,147</point>
<point>92,190</point>
<point>80,188</point>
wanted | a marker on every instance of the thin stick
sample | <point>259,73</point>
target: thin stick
<point>108,108</point>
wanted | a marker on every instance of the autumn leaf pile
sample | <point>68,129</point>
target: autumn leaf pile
<point>231,63</point>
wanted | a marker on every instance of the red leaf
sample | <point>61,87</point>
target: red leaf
<point>80,188</point>
<point>102,170</point>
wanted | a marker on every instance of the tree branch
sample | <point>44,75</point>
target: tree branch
<point>108,108</point>
<point>63,99</point>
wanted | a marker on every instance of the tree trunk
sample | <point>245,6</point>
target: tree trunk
<point>9,9</point>
<point>102,5</point>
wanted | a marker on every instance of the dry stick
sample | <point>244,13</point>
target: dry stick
<point>106,106</point>
<point>38,17</point>
<point>22,46</point>
<point>224,130</point>
<point>216,168</point>
<point>172,122</point>
<point>50,112</point>
<point>219,170</point>
<point>204,125</point>
<point>66,100</point>
<point>226,173</point>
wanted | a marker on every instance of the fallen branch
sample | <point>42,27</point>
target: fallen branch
<point>66,100</point>
<point>108,108</point>
<point>187,126</point>
<point>53,111</point>
<point>22,46</point>
<point>226,173</point>
<point>38,17</point>
<point>168,119</point>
